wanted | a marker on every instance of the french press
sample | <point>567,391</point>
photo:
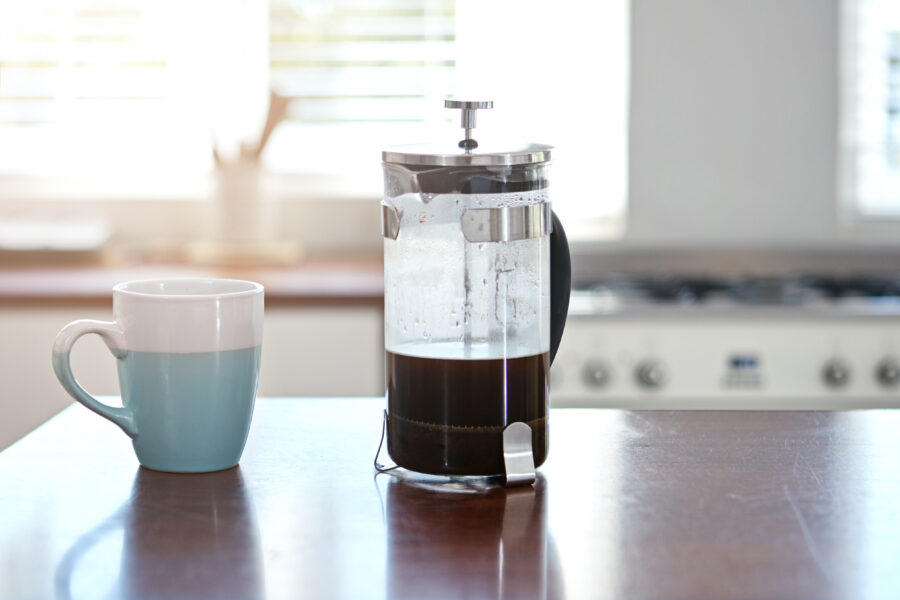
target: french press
<point>477,279</point>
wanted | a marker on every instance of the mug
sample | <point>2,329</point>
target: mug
<point>188,353</point>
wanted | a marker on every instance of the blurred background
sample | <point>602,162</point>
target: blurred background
<point>722,167</point>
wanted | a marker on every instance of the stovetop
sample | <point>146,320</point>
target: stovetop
<point>723,295</point>
<point>788,290</point>
<point>805,340</point>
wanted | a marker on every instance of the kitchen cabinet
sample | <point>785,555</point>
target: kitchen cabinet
<point>323,332</point>
<point>309,350</point>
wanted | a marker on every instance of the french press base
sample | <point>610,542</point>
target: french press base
<point>518,456</point>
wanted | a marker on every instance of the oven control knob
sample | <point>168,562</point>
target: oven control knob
<point>650,374</point>
<point>596,373</point>
<point>836,373</point>
<point>888,372</point>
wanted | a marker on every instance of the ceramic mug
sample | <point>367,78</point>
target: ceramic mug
<point>188,353</point>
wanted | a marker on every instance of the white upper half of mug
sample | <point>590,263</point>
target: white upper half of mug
<point>189,315</point>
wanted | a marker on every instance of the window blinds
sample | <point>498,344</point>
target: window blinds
<point>141,90</point>
<point>360,61</point>
<point>86,86</point>
<point>360,74</point>
<point>134,85</point>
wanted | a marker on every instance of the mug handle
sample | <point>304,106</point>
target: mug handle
<point>115,340</point>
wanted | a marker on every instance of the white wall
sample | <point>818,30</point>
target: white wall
<point>734,107</point>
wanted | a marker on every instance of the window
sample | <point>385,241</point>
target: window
<point>99,87</point>
<point>870,131</point>
<point>360,75</point>
<point>139,91</point>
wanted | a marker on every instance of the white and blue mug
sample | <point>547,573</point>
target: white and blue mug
<point>188,353</point>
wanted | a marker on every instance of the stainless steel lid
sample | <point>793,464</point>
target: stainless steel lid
<point>467,152</point>
<point>445,156</point>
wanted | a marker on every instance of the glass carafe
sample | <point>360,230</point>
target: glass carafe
<point>471,318</point>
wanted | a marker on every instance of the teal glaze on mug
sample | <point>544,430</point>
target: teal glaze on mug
<point>194,409</point>
<point>188,354</point>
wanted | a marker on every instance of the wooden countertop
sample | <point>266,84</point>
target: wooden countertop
<point>629,505</point>
<point>353,279</point>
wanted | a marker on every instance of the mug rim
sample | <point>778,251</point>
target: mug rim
<point>251,288</point>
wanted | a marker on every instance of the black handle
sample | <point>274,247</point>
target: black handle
<point>560,284</point>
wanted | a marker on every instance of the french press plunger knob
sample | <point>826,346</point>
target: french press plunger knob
<point>467,120</point>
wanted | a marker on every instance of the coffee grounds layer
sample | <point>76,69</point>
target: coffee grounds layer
<point>446,416</point>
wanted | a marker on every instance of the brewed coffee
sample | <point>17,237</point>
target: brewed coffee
<point>446,415</point>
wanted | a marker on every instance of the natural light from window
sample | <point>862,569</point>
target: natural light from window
<point>138,92</point>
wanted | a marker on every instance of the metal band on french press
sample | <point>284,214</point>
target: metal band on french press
<point>506,224</point>
<point>390,222</point>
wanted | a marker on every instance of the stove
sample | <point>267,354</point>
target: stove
<point>807,341</point>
